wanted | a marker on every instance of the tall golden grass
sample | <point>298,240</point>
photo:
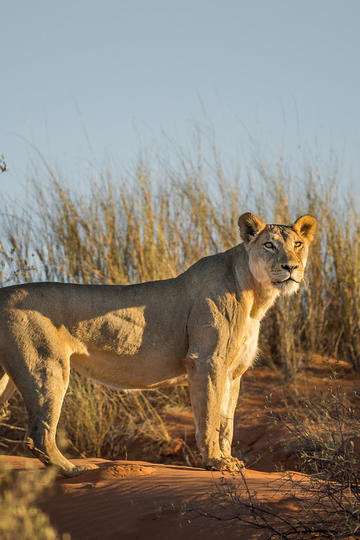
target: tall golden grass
<point>154,224</point>
<point>142,227</point>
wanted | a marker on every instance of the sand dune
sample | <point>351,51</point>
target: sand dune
<point>139,500</point>
<point>146,500</point>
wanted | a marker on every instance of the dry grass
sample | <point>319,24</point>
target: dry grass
<point>96,421</point>
<point>325,501</point>
<point>139,228</point>
<point>326,431</point>
<point>107,422</point>
<point>153,225</point>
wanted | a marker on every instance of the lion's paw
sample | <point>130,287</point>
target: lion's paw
<point>229,464</point>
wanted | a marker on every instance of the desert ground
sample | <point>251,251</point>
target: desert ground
<point>157,494</point>
<point>142,500</point>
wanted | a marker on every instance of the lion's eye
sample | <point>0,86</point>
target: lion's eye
<point>298,244</point>
<point>269,245</point>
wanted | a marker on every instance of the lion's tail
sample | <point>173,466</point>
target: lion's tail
<point>7,388</point>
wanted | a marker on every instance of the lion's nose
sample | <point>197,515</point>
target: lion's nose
<point>289,267</point>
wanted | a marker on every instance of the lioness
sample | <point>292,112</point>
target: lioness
<point>202,325</point>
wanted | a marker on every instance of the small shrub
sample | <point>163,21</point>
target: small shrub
<point>326,501</point>
<point>20,517</point>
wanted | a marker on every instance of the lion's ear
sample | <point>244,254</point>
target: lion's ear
<point>305,226</point>
<point>249,225</point>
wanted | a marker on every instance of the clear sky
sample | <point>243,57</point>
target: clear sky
<point>84,79</point>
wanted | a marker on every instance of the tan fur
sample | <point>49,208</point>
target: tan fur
<point>202,325</point>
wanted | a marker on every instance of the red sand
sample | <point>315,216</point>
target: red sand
<point>139,500</point>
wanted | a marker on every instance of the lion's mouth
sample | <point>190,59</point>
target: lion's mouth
<point>285,281</point>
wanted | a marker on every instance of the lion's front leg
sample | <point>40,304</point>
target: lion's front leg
<point>207,383</point>
<point>228,405</point>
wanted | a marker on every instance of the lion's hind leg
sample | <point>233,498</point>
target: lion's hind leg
<point>43,384</point>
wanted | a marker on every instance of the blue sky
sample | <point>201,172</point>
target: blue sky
<point>84,81</point>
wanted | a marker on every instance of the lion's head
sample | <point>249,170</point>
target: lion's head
<point>277,253</point>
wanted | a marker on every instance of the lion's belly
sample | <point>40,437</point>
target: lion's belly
<point>128,349</point>
<point>246,348</point>
<point>130,372</point>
